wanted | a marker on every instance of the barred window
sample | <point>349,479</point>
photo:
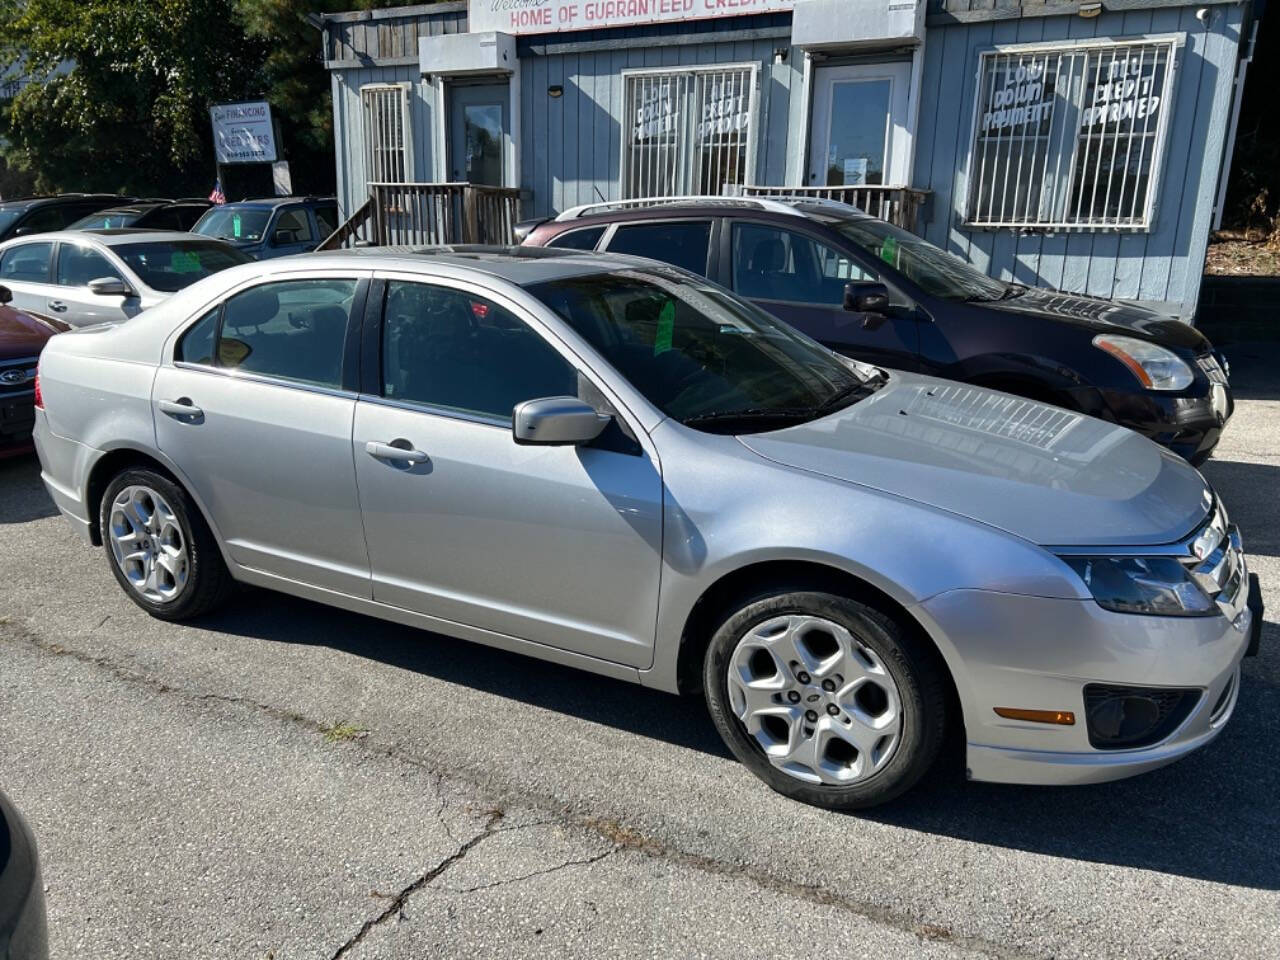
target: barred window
<point>688,131</point>
<point>386,132</point>
<point>1070,136</point>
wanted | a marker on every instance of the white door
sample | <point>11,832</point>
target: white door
<point>859,134</point>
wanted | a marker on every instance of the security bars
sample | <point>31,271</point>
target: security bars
<point>687,131</point>
<point>386,132</point>
<point>1070,136</point>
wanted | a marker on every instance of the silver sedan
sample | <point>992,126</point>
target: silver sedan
<point>620,467</point>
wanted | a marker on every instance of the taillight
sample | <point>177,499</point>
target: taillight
<point>39,398</point>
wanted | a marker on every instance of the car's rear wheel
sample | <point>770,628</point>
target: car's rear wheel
<point>826,699</point>
<point>159,547</point>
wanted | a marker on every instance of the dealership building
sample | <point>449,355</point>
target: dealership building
<point>1081,146</point>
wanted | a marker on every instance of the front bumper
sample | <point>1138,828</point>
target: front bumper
<point>17,417</point>
<point>1189,425</point>
<point>1038,653</point>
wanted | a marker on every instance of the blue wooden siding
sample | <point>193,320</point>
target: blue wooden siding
<point>571,149</point>
<point>1162,265</point>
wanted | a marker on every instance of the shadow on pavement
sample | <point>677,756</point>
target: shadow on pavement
<point>1213,816</point>
<point>1249,491</point>
<point>22,496</point>
<point>1255,370</point>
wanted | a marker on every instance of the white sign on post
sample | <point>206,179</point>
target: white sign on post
<point>547,16</point>
<point>242,132</point>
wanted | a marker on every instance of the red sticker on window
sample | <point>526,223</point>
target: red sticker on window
<point>481,310</point>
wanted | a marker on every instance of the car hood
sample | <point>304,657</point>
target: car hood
<point>1042,473</point>
<point>24,335</point>
<point>1104,316</point>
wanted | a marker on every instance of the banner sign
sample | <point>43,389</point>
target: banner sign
<point>242,132</point>
<point>550,16</point>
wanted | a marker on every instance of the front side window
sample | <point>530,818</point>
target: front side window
<point>683,244</point>
<point>27,263</point>
<point>78,265</point>
<point>770,263</point>
<point>238,224</point>
<point>453,349</point>
<point>326,219</point>
<point>171,265</point>
<point>292,227</point>
<point>46,219</point>
<point>1070,135</point>
<point>700,355</point>
<point>293,330</point>
<point>934,271</point>
<point>687,130</point>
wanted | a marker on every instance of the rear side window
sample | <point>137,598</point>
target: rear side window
<point>28,263</point>
<point>449,348</point>
<point>51,218</point>
<point>293,330</point>
<point>78,265</point>
<point>683,244</point>
<point>578,239</point>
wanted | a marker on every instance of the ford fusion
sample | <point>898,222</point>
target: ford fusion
<point>620,467</point>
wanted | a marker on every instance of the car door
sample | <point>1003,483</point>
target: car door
<point>255,407</point>
<point>560,545</point>
<point>77,265</point>
<point>291,232</point>
<point>800,278</point>
<point>27,270</point>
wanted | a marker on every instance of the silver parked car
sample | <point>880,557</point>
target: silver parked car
<point>618,466</point>
<point>84,277</point>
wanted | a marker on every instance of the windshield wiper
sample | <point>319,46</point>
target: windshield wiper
<point>856,390</point>
<point>749,414</point>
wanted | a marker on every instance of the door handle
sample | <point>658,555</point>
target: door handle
<point>182,407</point>
<point>57,306</point>
<point>390,451</point>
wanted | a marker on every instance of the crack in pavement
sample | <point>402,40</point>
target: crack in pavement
<point>620,836</point>
<point>582,862</point>
<point>396,907</point>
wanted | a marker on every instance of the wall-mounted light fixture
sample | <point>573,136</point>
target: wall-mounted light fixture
<point>555,91</point>
<point>780,54</point>
<point>1090,10</point>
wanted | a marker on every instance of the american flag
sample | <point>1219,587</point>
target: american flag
<point>217,196</point>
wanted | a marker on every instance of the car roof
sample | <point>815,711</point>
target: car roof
<point>28,202</point>
<point>113,236</point>
<point>519,265</point>
<point>813,208</point>
<point>270,203</point>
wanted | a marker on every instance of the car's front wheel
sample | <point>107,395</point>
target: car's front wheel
<point>159,547</point>
<point>826,699</point>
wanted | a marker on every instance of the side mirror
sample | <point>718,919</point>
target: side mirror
<point>282,237</point>
<point>866,296</point>
<point>110,287</point>
<point>6,295</point>
<point>557,421</point>
<point>24,231</point>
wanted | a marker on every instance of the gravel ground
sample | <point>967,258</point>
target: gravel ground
<point>286,780</point>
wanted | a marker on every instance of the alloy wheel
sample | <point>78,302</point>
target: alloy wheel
<point>148,544</point>
<point>821,705</point>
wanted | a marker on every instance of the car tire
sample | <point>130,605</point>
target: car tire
<point>909,674</point>
<point>159,547</point>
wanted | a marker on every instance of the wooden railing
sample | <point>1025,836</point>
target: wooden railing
<point>899,205</point>
<point>430,214</point>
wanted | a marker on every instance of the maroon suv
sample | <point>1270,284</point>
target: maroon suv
<point>22,337</point>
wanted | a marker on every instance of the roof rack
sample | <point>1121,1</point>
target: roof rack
<point>773,204</point>
<point>838,206</point>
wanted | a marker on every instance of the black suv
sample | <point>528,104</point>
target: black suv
<point>146,215</point>
<point>878,293</point>
<point>44,214</point>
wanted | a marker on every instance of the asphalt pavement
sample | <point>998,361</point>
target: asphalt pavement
<point>285,780</point>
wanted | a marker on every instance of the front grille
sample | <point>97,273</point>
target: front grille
<point>1212,368</point>
<point>1124,718</point>
<point>1216,562</point>
<point>17,377</point>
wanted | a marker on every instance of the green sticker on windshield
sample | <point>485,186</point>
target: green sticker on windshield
<point>666,327</point>
<point>235,225</point>
<point>187,261</point>
<point>889,251</point>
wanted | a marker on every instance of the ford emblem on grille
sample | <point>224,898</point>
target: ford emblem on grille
<point>12,378</point>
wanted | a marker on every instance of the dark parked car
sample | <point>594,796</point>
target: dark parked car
<point>24,931</point>
<point>146,215</point>
<point>22,337</point>
<point>18,218</point>
<point>878,293</point>
<point>273,227</point>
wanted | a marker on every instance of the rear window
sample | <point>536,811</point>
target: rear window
<point>170,265</point>
<point>683,244</point>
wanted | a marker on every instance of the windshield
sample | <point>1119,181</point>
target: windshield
<point>701,355</point>
<point>170,265</point>
<point>108,220</point>
<point>235,224</point>
<point>935,271</point>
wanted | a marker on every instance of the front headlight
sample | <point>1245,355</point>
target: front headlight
<point>1159,586</point>
<point>1155,367</point>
